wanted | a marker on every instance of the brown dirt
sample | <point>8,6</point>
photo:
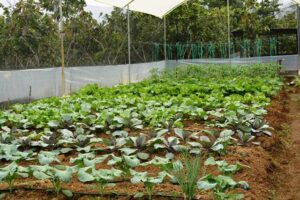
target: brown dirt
<point>288,183</point>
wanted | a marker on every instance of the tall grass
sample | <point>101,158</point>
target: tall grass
<point>186,172</point>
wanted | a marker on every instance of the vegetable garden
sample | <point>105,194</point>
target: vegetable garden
<point>164,138</point>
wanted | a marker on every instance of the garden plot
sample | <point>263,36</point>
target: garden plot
<point>163,138</point>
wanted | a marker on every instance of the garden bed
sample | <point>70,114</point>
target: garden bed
<point>126,131</point>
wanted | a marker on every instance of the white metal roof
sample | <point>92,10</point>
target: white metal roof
<point>158,8</point>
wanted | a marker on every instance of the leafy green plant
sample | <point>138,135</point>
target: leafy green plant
<point>103,177</point>
<point>184,135</point>
<point>114,144</point>
<point>10,152</point>
<point>149,182</point>
<point>124,163</point>
<point>56,174</point>
<point>47,157</point>
<point>223,166</point>
<point>218,142</point>
<point>88,159</point>
<point>220,185</point>
<point>259,127</point>
<point>171,144</point>
<point>11,172</point>
<point>170,124</point>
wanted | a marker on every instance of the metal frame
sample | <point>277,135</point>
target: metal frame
<point>229,31</point>
<point>62,49</point>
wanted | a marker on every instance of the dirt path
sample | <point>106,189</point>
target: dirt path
<point>290,162</point>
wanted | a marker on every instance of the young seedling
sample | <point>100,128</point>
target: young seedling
<point>11,172</point>
<point>149,182</point>
<point>184,135</point>
<point>56,175</point>
<point>88,160</point>
<point>222,184</point>
<point>102,177</point>
<point>124,163</point>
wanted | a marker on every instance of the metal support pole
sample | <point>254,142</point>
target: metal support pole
<point>129,44</point>
<point>165,38</point>
<point>229,32</point>
<point>61,32</point>
<point>298,30</point>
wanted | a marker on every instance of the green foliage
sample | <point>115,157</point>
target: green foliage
<point>56,174</point>
<point>29,36</point>
<point>102,125</point>
<point>297,82</point>
<point>223,183</point>
<point>149,182</point>
<point>11,172</point>
<point>102,177</point>
<point>185,172</point>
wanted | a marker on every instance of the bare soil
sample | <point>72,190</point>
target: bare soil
<point>288,181</point>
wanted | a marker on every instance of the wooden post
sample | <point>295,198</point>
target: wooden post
<point>30,92</point>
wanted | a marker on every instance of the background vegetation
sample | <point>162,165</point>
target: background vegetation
<point>29,32</point>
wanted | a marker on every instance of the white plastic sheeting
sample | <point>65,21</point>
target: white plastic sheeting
<point>158,8</point>
<point>107,76</point>
<point>24,85</point>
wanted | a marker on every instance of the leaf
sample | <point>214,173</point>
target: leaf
<point>64,175</point>
<point>128,151</point>
<point>138,195</point>
<point>53,124</point>
<point>170,156</point>
<point>86,149</point>
<point>210,161</point>
<point>226,179</point>
<point>3,175</point>
<point>83,176</point>
<point>244,185</point>
<point>2,196</point>
<point>217,147</point>
<point>162,132</point>
<point>179,132</point>
<point>46,158</point>
<point>67,193</point>
<point>226,133</point>
<point>205,139</point>
<point>66,134</point>
<point>268,133</point>
<point>40,175</point>
<point>132,161</point>
<point>65,150</point>
<point>205,185</point>
<point>122,134</point>
<point>143,156</point>
<point>86,107</point>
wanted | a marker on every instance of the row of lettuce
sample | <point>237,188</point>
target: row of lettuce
<point>125,126</point>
